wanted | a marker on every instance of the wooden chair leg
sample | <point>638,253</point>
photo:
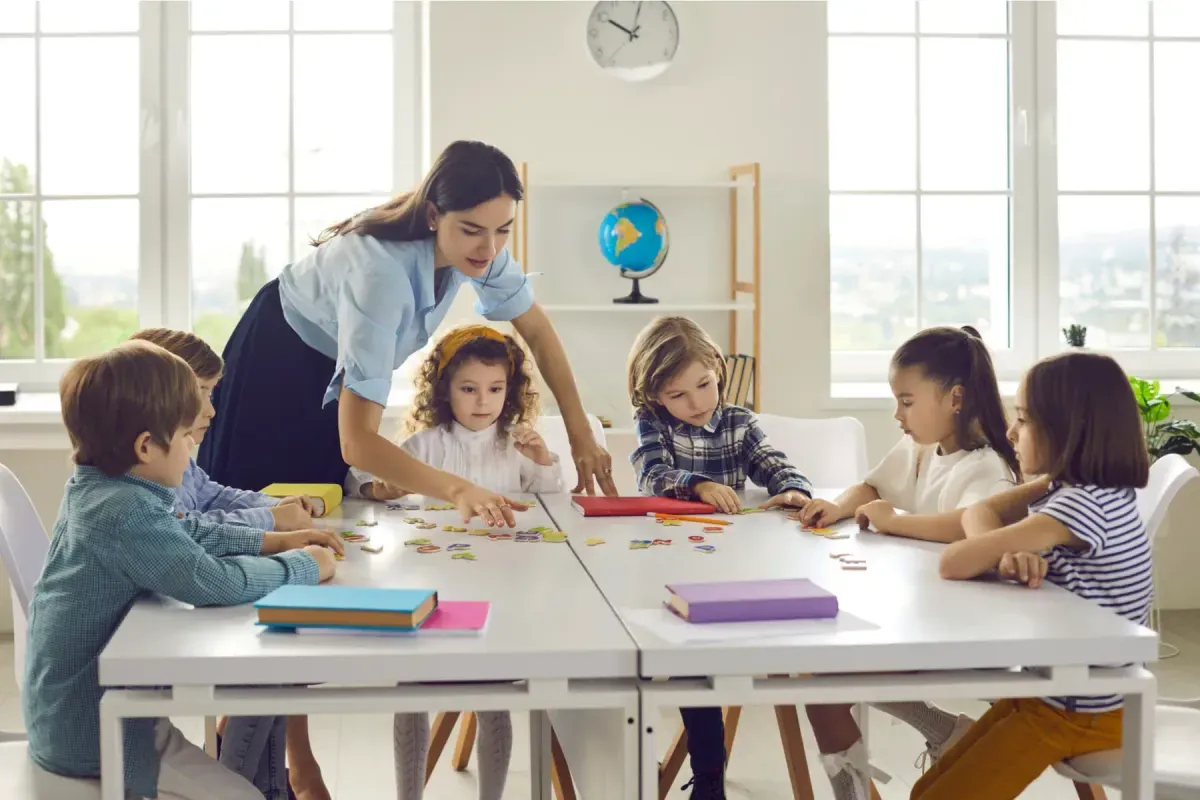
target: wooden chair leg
<point>210,736</point>
<point>466,741</point>
<point>668,770</point>
<point>788,721</point>
<point>874,792</point>
<point>1090,791</point>
<point>732,715</point>
<point>560,773</point>
<point>443,724</point>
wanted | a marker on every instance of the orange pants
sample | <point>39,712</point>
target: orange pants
<point>1011,745</point>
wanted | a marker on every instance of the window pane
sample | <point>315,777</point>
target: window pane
<point>1103,115</point>
<point>90,115</point>
<point>964,114</point>
<point>91,273</point>
<point>239,15</point>
<point>16,272</point>
<point>1176,18</point>
<point>1104,268</point>
<point>237,246</point>
<point>315,214</point>
<point>873,271</point>
<point>87,16</point>
<point>1178,271</point>
<point>871,16</point>
<point>350,149</point>
<point>361,15</point>
<point>1103,18</point>
<point>16,16</point>
<point>17,98</point>
<point>872,113</point>
<point>965,264</point>
<point>1177,116</point>
<point>240,114</point>
<point>963,16</point>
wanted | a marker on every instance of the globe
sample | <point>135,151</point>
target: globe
<point>633,238</point>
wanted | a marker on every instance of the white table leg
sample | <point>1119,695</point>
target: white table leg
<point>540,787</point>
<point>112,744</point>
<point>601,749</point>
<point>650,718</point>
<point>1137,738</point>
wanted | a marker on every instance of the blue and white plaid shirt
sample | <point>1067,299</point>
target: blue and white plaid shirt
<point>201,497</point>
<point>117,539</point>
<point>672,458</point>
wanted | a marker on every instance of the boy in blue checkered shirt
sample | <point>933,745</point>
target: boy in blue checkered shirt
<point>128,413</point>
<point>693,446</point>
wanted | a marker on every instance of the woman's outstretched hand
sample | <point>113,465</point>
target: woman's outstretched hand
<point>593,463</point>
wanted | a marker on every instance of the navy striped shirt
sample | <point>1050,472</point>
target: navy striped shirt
<point>1112,569</point>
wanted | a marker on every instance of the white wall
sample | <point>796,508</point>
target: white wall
<point>748,85</point>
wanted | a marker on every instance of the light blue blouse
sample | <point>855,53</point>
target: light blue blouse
<point>369,304</point>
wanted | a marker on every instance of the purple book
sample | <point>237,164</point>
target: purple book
<point>751,601</point>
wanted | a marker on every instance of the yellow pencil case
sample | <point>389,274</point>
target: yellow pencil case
<point>328,495</point>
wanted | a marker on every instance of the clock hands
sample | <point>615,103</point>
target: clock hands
<point>637,14</point>
<point>632,33</point>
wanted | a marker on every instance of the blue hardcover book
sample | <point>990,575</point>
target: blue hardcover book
<point>346,607</point>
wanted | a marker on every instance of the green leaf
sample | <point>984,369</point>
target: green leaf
<point>1176,444</point>
<point>1195,398</point>
<point>1144,391</point>
<point>1181,426</point>
<point>1157,410</point>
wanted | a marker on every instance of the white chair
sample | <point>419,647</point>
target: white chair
<point>554,431</point>
<point>19,780</point>
<point>832,453</point>
<point>23,547</point>
<point>1177,722</point>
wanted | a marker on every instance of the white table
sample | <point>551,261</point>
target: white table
<point>549,629</point>
<point>966,638</point>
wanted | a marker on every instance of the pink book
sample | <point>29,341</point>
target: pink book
<point>458,615</point>
<point>751,601</point>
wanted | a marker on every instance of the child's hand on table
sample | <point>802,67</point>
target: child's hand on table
<point>1027,568</point>
<point>530,444</point>
<point>793,498</point>
<point>326,563</point>
<point>491,508</point>
<point>291,517</point>
<point>302,500</point>
<point>820,513</point>
<point>877,514</point>
<point>383,491</point>
<point>282,542</point>
<point>719,495</point>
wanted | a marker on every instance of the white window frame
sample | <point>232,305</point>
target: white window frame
<point>871,366</point>
<point>164,191</point>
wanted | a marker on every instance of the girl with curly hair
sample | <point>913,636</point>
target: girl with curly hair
<point>472,417</point>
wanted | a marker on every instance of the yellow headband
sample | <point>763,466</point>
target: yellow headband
<point>455,340</point>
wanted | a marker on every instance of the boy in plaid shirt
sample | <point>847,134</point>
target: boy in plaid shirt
<point>128,413</point>
<point>693,446</point>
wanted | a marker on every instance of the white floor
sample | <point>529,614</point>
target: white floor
<point>356,755</point>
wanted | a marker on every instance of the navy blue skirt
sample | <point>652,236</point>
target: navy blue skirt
<point>270,426</point>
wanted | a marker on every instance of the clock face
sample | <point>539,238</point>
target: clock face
<point>633,39</point>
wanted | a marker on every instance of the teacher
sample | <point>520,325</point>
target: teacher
<point>337,323</point>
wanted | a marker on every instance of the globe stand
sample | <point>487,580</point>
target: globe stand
<point>635,297</point>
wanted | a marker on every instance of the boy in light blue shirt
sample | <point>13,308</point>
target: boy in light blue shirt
<point>129,413</point>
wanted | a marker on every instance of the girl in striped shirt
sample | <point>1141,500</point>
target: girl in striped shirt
<point>1078,527</point>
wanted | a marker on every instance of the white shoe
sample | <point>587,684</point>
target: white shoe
<point>935,751</point>
<point>854,764</point>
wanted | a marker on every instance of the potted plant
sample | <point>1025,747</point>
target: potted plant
<point>1163,434</point>
<point>1076,335</point>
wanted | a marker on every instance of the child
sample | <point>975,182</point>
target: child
<point>693,446</point>
<point>1078,427</point>
<point>954,453</point>
<point>238,740</point>
<point>471,415</point>
<point>199,496</point>
<point>128,413</point>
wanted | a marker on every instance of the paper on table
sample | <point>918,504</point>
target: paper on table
<point>676,630</point>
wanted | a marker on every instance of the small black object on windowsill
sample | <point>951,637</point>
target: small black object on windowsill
<point>8,394</point>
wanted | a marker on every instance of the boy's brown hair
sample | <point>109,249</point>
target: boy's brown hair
<point>203,360</point>
<point>1087,422</point>
<point>110,399</point>
<point>663,349</point>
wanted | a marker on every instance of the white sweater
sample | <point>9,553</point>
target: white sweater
<point>479,456</point>
<point>918,479</point>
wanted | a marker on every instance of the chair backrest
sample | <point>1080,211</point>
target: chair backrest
<point>1167,476</point>
<point>832,453</point>
<point>554,431</point>
<point>23,541</point>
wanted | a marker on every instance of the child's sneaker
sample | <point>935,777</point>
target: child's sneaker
<point>849,772</point>
<point>935,751</point>
<point>709,786</point>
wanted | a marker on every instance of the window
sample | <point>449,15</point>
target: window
<point>175,156</point>
<point>1018,167</point>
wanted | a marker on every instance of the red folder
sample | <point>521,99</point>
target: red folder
<point>637,506</point>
